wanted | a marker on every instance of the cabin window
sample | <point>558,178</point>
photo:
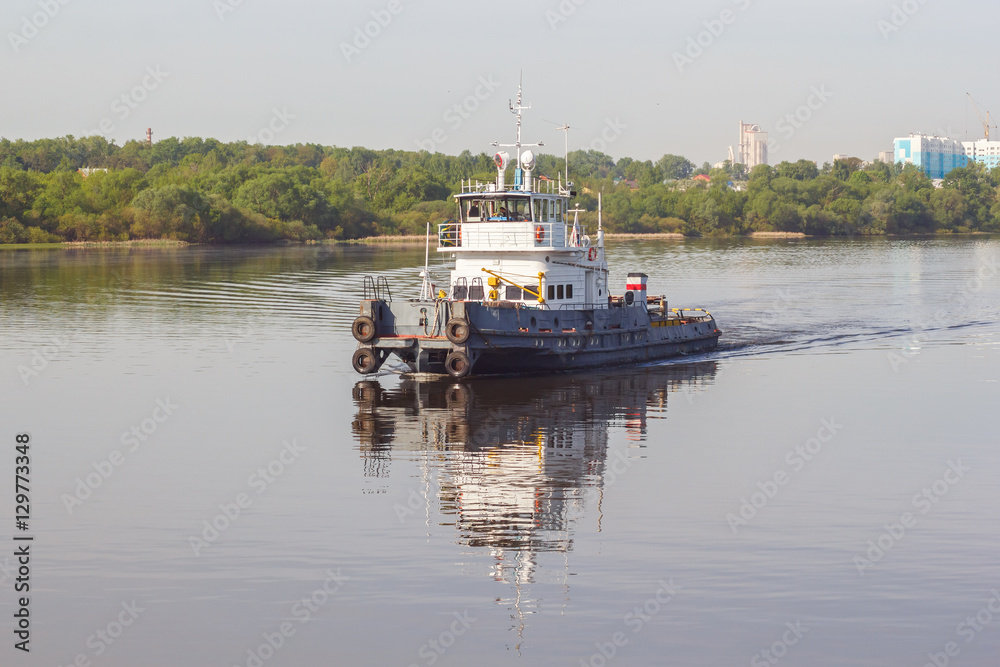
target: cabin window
<point>545,211</point>
<point>538,210</point>
<point>504,210</point>
<point>513,293</point>
<point>552,292</point>
<point>476,293</point>
<point>559,292</point>
<point>460,292</point>
<point>475,211</point>
<point>569,291</point>
<point>552,209</point>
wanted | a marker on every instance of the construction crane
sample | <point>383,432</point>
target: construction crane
<point>986,122</point>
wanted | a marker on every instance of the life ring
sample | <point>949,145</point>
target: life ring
<point>539,234</point>
<point>592,254</point>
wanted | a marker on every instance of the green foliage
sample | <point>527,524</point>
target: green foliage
<point>202,190</point>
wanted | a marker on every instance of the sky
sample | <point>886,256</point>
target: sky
<point>635,79</point>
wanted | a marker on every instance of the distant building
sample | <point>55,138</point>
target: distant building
<point>752,146</point>
<point>87,171</point>
<point>984,151</point>
<point>886,156</point>
<point>935,156</point>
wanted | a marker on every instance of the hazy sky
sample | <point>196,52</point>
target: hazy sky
<point>614,71</point>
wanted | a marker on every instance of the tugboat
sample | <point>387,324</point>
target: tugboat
<point>529,292</point>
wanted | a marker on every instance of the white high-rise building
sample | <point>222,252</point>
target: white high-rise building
<point>937,156</point>
<point>752,146</point>
<point>983,150</point>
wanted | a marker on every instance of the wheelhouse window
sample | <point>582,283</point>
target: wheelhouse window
<point>513,293</point>
<point>542,210</point>
<point>473,210</point>
<point>509,209</point>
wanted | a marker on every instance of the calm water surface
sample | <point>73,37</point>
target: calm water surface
<point>825,487</point>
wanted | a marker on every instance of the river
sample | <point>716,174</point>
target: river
<point>211,483</point>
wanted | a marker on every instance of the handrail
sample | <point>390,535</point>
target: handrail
<point>492,235</point>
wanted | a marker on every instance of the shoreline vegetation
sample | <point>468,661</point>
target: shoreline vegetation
<point>414,240</point>
<point>92,191</point>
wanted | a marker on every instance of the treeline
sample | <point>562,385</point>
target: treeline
<point>207,191</point>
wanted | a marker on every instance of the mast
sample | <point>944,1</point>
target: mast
<point>425,285</point>
<point>516,110</point>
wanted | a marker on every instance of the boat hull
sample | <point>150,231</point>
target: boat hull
<point>462,338</point>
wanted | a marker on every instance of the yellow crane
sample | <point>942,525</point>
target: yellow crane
<point>986,122</point>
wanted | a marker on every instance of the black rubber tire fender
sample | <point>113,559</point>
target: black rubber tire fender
<point>458,364</point>
<point>363,329</point>
<point>365,360</point>
<point>457,330</point>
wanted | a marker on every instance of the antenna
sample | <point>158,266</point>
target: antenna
<point>517,111</point>
<point>565,128</point>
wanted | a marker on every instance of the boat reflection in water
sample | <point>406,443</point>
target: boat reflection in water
<point>515,462</point>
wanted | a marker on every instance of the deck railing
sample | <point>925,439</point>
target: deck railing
<point>503,235</point>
